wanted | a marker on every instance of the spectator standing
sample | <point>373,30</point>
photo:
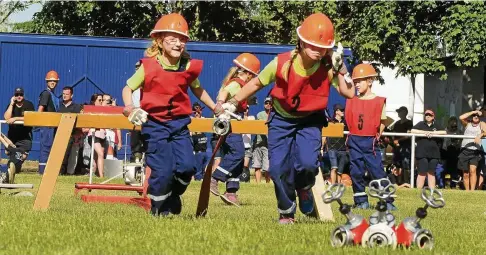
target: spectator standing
<point>113,136</point>
<point>96,99</point>
<point>450,151</point>
<point>99,141</point>
<point>427,151</point>
<point>402,144</point>
<point>470,154</point>
<point>48,102</point>
<point>76,139</point>
<point>245,175</point>
<point>200,144</point>
<point>20,135</point>
<point>260,147</point>
<point>336,148</point>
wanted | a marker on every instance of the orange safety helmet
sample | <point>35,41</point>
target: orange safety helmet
<point>52,76</point>
<point>249,62</point>
<point>173,22</point>
<point>317,30</point>
<point>364,71</point>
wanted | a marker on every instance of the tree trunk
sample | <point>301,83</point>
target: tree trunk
<point>412,107</point>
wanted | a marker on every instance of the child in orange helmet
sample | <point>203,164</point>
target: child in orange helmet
<point>230,168</point>
<point>164,76</point>
<point>302,83</point>
<point>365,116</point>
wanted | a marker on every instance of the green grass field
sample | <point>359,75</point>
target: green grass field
<point>73,227</point>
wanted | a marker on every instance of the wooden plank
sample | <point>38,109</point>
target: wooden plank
<point>255,127</point>
<point>52,119</point>
<point>44,119</point>
<point>56,156</point>
<point>102,109</point>
<point>104,121</point>
<point>16,186</point>
<point>322,211</point>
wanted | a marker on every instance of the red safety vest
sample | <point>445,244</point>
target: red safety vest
<point>363,117</point>
<point>243,104</point>
<point>164,93</point>
<point>301,95</point>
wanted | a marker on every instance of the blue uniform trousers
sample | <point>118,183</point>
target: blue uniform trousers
<point>46,140</point>
<point>170,157</point>
<point>202,159</point>
<point>231,165</point>
<point>364,156</point>
<point>293,149</point>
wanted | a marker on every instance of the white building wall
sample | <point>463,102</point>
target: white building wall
<point>398,91</point>
<point>462,91</point>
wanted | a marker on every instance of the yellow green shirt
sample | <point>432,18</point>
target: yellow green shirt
<point>138,78</point>
<point>371,96</point>
<point>232,88</point>
<point>269,73</point>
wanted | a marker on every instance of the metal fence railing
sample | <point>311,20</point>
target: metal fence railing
<point>412,150</point>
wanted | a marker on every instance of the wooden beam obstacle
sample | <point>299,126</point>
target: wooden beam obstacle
<point>17,186</point>
<point>112,118</point>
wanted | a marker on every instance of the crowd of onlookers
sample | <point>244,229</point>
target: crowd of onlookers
<point>77,158</point>
<point>439,162</point>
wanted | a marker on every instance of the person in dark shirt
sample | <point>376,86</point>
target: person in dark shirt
<point>48,102</point>
<point>76,139</point>
<point>402,144</point>
<point>427,151</point>
<point>200,144</point>
<point>20,135</point>
<point>450,150</point>
<point>336,147</point>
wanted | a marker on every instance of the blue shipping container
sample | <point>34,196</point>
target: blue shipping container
<point>103,64</point>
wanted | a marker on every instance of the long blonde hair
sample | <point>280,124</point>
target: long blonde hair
<point>293,55</point>
<point>232,73</point>
<point>153,50</point>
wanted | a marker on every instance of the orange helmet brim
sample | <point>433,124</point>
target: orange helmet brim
<point>153,32</point>
<point>244,67</point>
<point>313,43</point>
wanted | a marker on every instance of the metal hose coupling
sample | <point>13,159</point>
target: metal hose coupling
<point>410,232</point>
<point>352,231</point>
<point>379,235</point>
<point>221,126</point>
<point>381,231</point>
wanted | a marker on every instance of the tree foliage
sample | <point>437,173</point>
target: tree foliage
<point>415,37</point>
<point>7,8</point>
<point>209,21</point>
<point>464,32</point>
<point>97,18</point>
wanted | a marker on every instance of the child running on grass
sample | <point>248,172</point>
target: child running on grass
<point>164,76</point>
<point>229,169</point>
<point>302,83</point>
